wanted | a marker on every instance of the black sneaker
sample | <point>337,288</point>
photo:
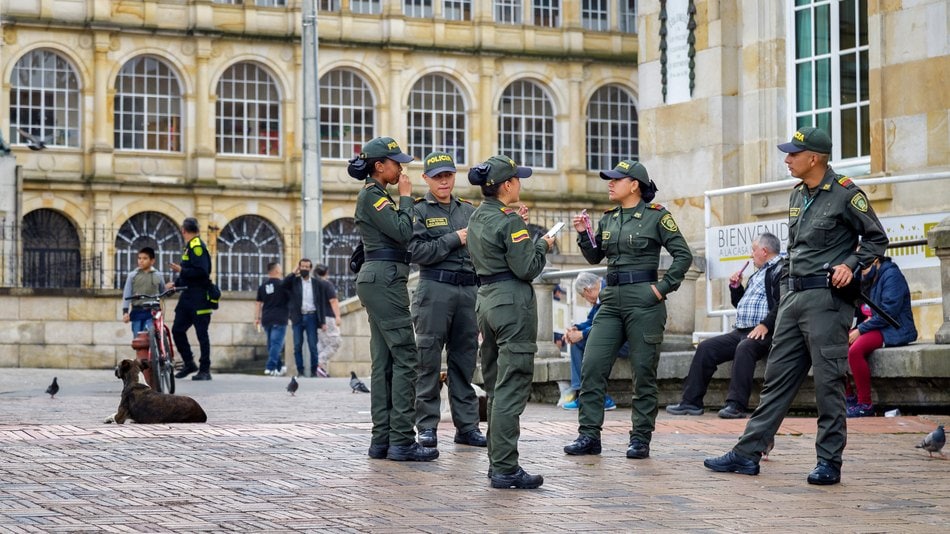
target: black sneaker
<point>732,463</point>
<point>684,409</point>
<point>731,411</point>
<point>517,480</point>
<point>638,450</point>
<point>583,445</point>
<point>186,370</point>
<point>824,474</point>
<point>473,438</point>
<point>378,451</point>
<point>202,375</point>
<point>412,453</point>
<point>428,437</point>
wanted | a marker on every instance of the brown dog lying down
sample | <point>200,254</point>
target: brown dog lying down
<point>143,405</point>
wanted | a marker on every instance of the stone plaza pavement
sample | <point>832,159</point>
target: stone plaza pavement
<point>267,461</point>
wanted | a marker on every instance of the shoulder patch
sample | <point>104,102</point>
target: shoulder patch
<point>381,203</point>
<point>655,206</point>
<point>668,223</point>
<point>469,202</point>
<point>195,241</point>
<point>506,210</point>
<point>845,181</point>
<point>519,236</point>
<point>860,202</point>
<point>418,200</point>
<point>612,209</point>
<point>198,251</point>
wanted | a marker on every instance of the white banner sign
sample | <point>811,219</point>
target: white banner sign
<point>728,247</point>
<point>677,51</point>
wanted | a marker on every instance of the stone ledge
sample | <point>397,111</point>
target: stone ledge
<point>917,375</point>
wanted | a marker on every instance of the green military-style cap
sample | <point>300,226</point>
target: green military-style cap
<point>384,147</point>
<point>808,138</point>
<point>495,170</point>
<point>437,163</point>
<point>627,168</point>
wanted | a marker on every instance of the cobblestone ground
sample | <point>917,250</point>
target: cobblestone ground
<point>267,461</point>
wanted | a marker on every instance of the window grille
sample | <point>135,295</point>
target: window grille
<point>44,100</point>
<point>417,8</point>
<point>339,239</point>
<point>457,9</point>
<point>612,128</point>
<point>436,118</point>
<point>508,11</point>
<point>248,112</point>
<point>147,229</point>
<point>347,114</point>
<point>526,125</point>
<point>547,13</point>
<point>628,16</point>
<point>365,7</point>
<point>245,246</point>
<point>147,106</point>
<point>595,15</point>
<point>51,255</point>
<point>329,5</point>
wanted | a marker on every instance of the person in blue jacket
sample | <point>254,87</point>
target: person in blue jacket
<point>588,285</point>
<point>884,282</point>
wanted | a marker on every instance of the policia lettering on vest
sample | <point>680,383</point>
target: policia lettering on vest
<point>633,307</point>
<point>506,261</point>
<point>386,228</point>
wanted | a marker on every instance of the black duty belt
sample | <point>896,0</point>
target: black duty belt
<point>492,278</point>
<point>801,283</point>
<point>389,254</point>
<point>622,278</point>
<point>449,277</point>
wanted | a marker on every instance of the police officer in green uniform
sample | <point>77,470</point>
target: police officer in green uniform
<point>193,309</point>
<point>630,236</point>
<point>506,261</point>
<point>386,228</point>
<point>827,214</point>
<point>443,306</point>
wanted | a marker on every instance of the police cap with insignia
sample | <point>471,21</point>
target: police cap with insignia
<point>384,147</point>
<point>438,162</point>
<point>808,138</point>
<point>630,168</point>
<point>495,170</point>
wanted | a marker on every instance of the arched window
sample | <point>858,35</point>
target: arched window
<point>526,125</point>
<point>436,118</point>
<point>147,106</point>
<point>248,112</point>
<point>245,247</point>
<point>347,114</point>
<point>339,239</point>
<point>50,250</point>
<point>44,100</point>
<point>147,229</point>
<point>612,130</point>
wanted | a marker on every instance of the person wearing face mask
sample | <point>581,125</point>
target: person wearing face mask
<point>506,260</point>
<point>385,226</point>
<point>884,282</point>
<point>633,307</point>
<point>306,313</point>
<point>443,305</point>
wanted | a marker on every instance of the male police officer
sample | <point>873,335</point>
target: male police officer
<point>193,307</point>
<point>443,306</point>
<point>827,214</point>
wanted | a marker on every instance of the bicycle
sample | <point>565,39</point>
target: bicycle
<point>161,353</point>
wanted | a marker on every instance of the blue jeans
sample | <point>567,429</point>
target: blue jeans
<point>139,319</point>
<point>308,325</point>
<point>275,345</point>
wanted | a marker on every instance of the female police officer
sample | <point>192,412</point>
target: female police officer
<point>505,260</point>
<point>630,237</point>
<point>381,285</point>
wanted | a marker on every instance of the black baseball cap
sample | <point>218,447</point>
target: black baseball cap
<point>808,138</point>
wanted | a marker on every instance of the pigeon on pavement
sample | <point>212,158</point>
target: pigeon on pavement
<point>53,389</point>
<point>934,442</point>
<point>293,385</point>
<point>357,384</point>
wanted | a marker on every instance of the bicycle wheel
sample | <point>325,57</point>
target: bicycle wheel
<point>160,365</point>
<point>154,360</point>
<point>168,365</point>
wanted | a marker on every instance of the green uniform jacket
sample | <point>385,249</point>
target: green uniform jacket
<point>498,241</point>
<point>825,228</point>
<point>381,224</point>
<point>435,244</point>
<point>631,240</point>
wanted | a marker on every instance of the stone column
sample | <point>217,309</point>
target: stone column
<point>939,239</point>
<point>103,126</point>
<point>543,291</point>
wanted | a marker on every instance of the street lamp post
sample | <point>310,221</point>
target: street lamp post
<point>312,190</point>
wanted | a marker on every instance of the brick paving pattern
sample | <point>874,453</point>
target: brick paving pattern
<point>267,461</point>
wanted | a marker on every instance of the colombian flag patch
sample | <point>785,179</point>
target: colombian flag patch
<point>519,236</point>
<point>381,203</point>
<point>845,181</point>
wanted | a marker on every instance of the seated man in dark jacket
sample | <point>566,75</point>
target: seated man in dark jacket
<point>749,341</point>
